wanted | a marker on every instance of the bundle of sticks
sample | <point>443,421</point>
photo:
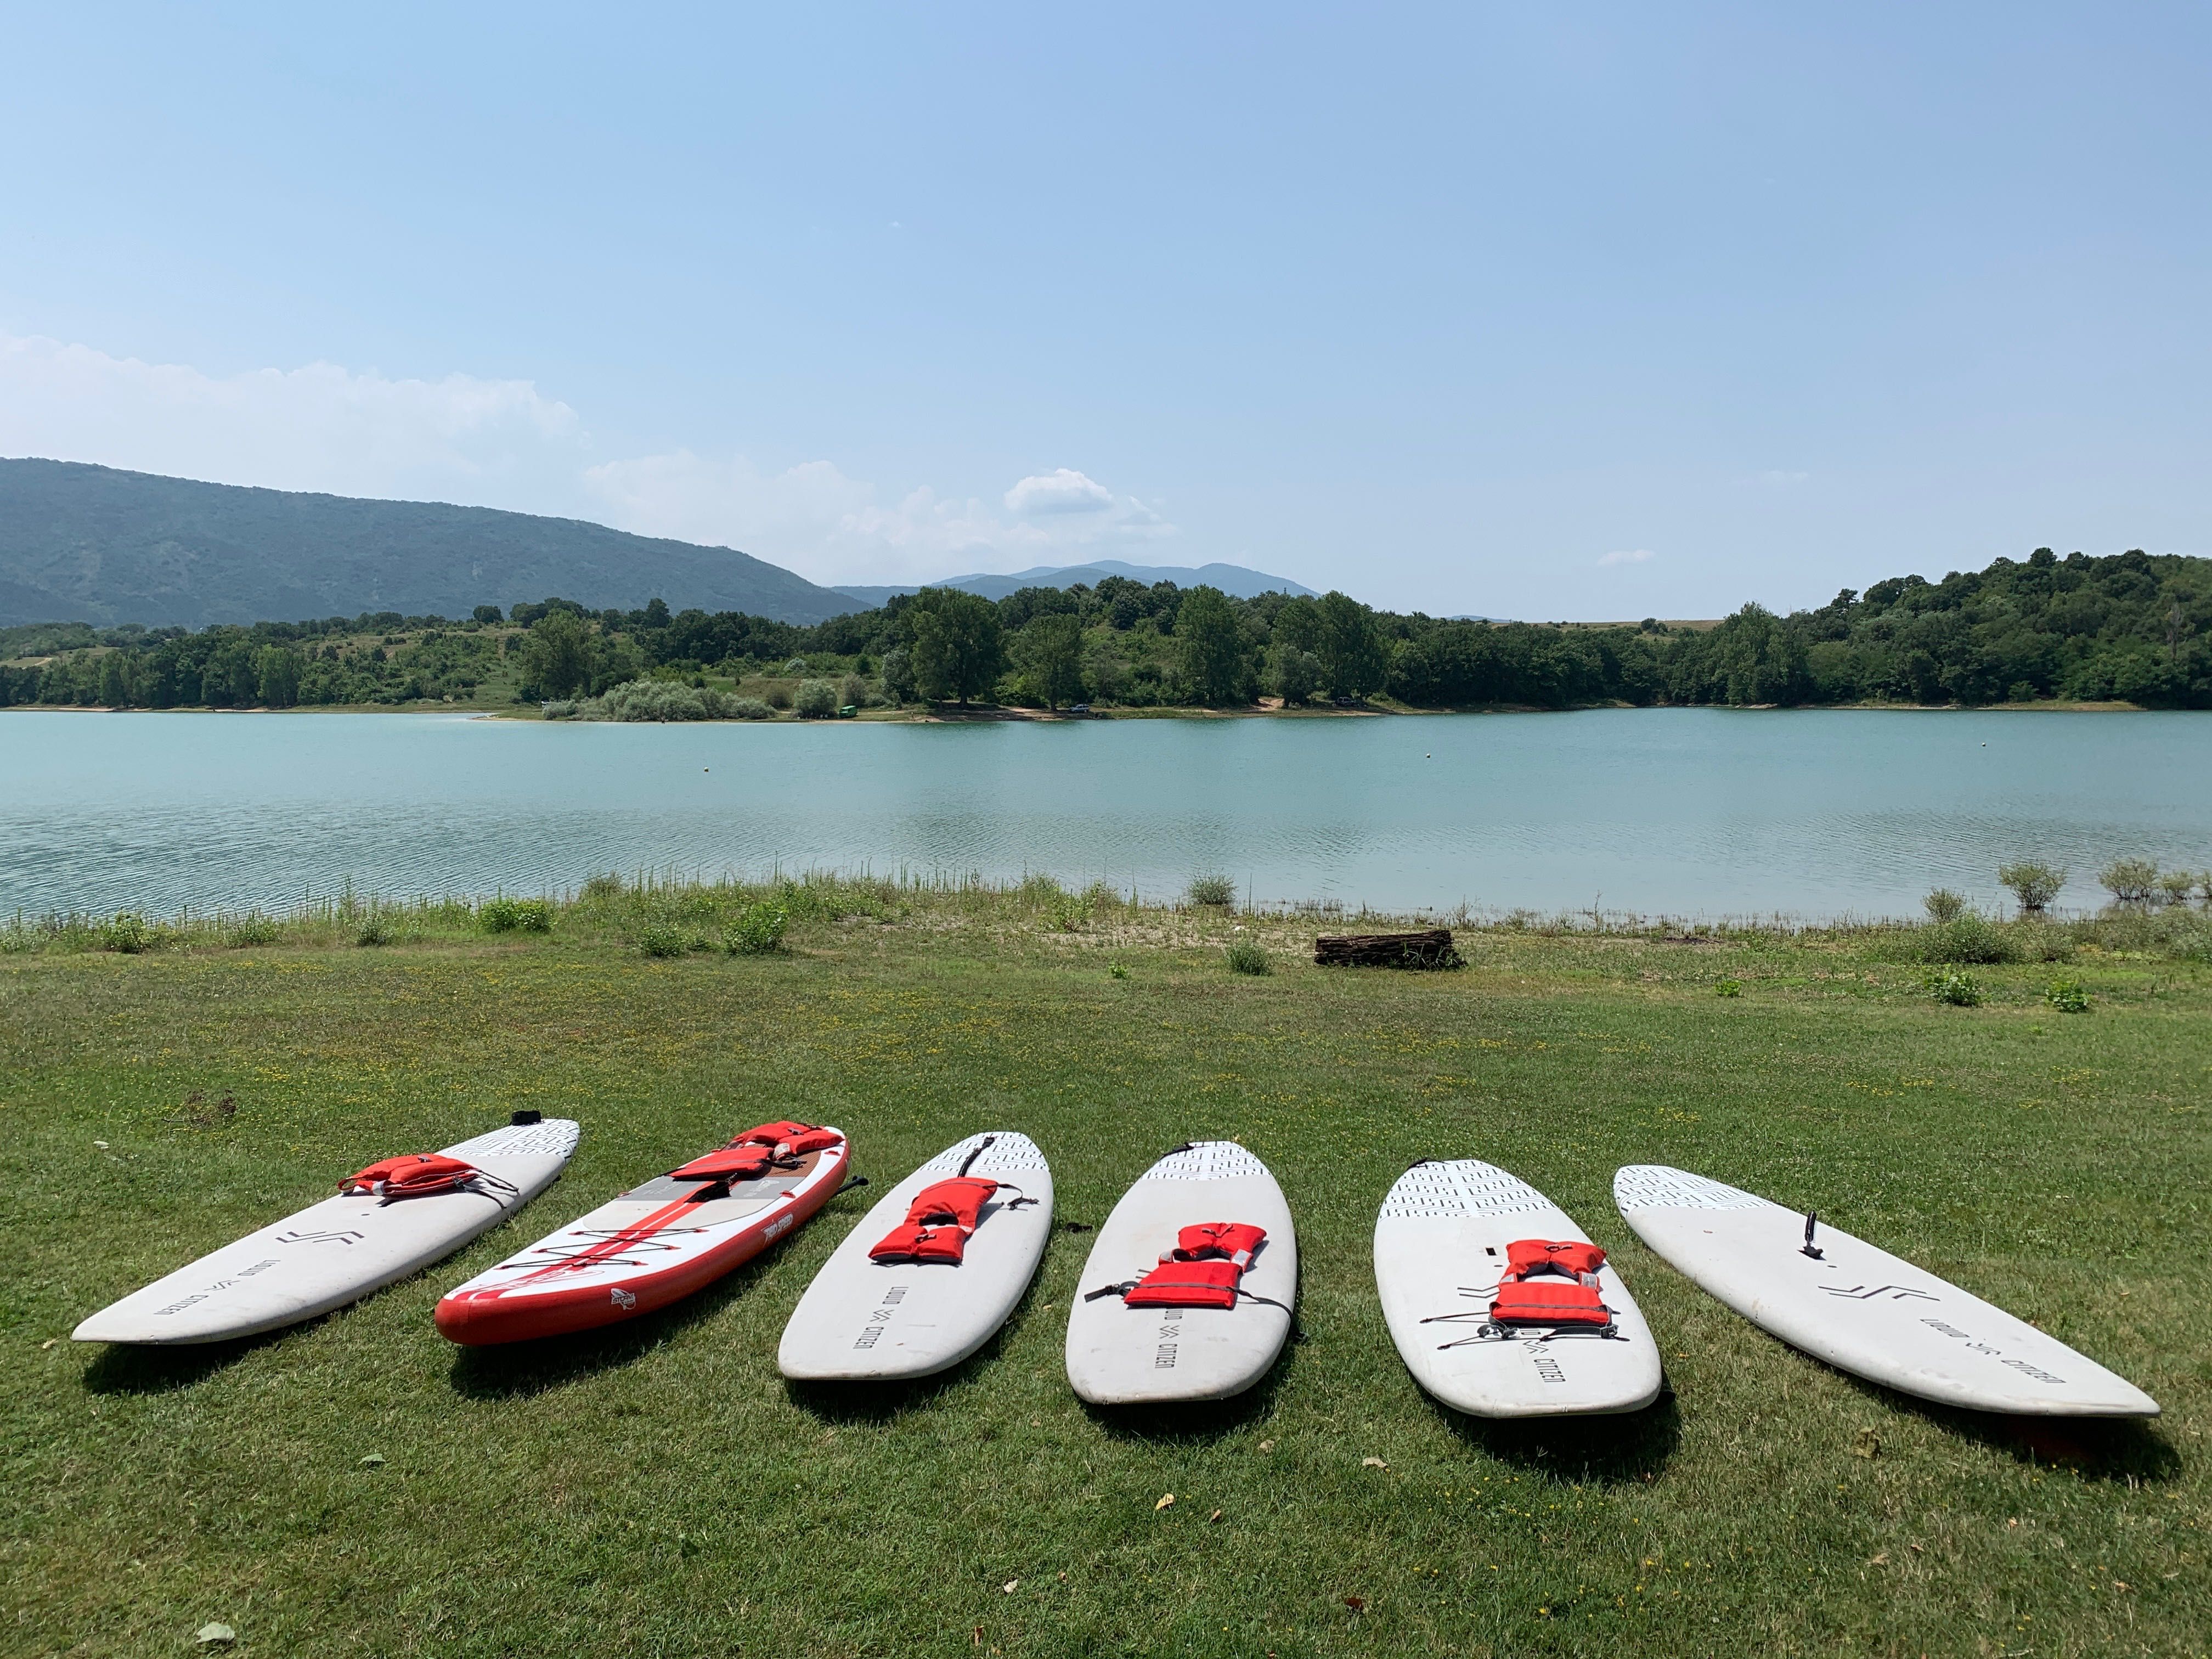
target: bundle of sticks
<point>1431,949</point>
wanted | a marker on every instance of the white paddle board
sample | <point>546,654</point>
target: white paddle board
<point>1440,1248</point>
<point>1118,1355</point>
<point>1860,1309</point>
<point>865,1320</point>
<point>337,1251</point>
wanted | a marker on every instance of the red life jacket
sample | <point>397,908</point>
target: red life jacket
<point>728,1163</point>
<point>412,1175</point>
<point>789,1140</point>
<point>750,1155</point>
<point>1202,1270</point>
<point>1551,1282</point>
<point>938,1223</point>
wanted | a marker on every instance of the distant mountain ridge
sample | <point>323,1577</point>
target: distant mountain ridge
<point>93,544</point>
<point>1232,578</point>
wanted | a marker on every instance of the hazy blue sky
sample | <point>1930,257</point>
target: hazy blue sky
<point>1590,311</point>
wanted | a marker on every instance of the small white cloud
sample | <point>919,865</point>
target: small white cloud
<point>1062,491</point>
<point>1781,480</point>
<point>1628,556</point>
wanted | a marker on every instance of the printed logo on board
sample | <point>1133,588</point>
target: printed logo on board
<point>621,1297</point>
<point>1860,1293</point>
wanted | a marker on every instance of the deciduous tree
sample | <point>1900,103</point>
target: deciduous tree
<point>1049,651</point>
<point>1350,647</point>
<point>556,654</point>
<point>1293,675</point>
<point>958,652</point>
<point>277,675</point>
<point>1215,663</point>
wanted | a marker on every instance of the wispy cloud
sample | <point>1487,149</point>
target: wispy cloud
<point>1628,556</point>
<point>504,443</point>
<point>320,427</point>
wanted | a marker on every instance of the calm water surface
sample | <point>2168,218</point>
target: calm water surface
<point>1683,811</point>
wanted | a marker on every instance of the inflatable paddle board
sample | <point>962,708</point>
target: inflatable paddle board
<point>339,1251</point>
<point>1445,1256</point>
<point>1862,1310</point>
<point>932,1272</point>
<point>656,1243</point>
<point>1179,1301</point>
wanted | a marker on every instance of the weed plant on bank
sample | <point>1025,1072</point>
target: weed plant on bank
<point>357,1486</point>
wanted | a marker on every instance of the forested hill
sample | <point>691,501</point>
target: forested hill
<point>90,544</point>
<point>2129,627</point>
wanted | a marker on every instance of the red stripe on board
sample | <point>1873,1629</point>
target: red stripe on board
<point>613,1245</point>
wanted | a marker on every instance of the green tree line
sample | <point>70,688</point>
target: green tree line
<point>2130,627</point>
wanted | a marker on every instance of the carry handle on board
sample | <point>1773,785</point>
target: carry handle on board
<point>981,1147</point>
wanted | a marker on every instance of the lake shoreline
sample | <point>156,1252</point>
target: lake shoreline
<point>989,712</point>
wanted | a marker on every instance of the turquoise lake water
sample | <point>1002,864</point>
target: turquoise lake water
<point>1691,812</point>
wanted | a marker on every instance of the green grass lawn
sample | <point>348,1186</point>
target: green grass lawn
<point>659,1490</point>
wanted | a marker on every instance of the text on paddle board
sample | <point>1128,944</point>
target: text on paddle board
<point>220,1285</point>
<point>882,1316</point>
<point>1972,1346</point>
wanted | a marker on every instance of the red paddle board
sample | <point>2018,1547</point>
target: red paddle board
<point>654,1244</point>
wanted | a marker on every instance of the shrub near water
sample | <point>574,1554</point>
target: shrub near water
<point>1245,957</point>
<point>758,932</point>
<point>2033,885</point>
<point>1943,905</point>
<point>1216,890</point>
<point>507,916</point>
<point>128,933</point>
<point>2130,881</point>
<point>252,928</point>
<point>656,700</point>
<point>1969,935</point>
